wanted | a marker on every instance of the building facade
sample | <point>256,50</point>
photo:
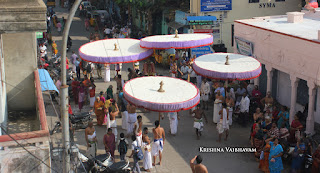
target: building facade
<point>289,48</point>
<point>239,9</point>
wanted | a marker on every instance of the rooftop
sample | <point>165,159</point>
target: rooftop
<point>307,29</point>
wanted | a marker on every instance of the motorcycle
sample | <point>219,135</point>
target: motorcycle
<point>80,121</point>
<point>103,163</point>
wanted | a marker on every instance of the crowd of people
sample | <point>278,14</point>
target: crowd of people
<point>271,132</point>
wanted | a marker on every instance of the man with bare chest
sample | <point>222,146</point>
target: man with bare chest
<point>198,167</point>
<point>198,121</point>
<point>131,119</point>
<point>113,112</point>
<point>268,102</point>
<point>91,139</point>
<point>158,142</point>
<point>138,130</point>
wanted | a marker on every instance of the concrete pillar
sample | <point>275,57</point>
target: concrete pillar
<point>310,118</point>
<point>294,85</point>
<point>269,77</point>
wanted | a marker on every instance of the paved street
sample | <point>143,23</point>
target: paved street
<point>178,150</point>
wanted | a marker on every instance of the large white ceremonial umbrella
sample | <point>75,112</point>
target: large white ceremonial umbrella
<point>161,94</point>
<point>114,51</point>
<point>177,41</point>
<point>227,66</point>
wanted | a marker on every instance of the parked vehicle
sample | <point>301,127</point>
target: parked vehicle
<point>103,163</point>
<point>81,120</point>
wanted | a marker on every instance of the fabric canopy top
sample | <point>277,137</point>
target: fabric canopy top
<point>46,81</point>
<point>178,94</point>
<point>114,51</point>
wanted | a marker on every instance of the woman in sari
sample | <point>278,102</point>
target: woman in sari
<point>283,117</point>
<point>82,95</point>
<point>109,92</point>
<point>275,161</point>
<point>274,131</point>
<point>258,141</point>
<point>316,161</point>
<point>74,85</point>
<point>109,142</point>
<point>295,129</point>
<point>264,161</point>
<point>98,110</point>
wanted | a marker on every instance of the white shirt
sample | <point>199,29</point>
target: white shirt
<point>205,88</point>
<point>184,70</point>
<point>107,31</point>
<point>44,49</point>
<point>134,144</point>
<point>244,104</point>
<point>250,89</point>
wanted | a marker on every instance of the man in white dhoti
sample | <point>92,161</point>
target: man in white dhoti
<point>217,107</point>
<point>147,158</point>
<point>223,125</point>
<point>198,122</point>
<point>173,118</point>
<point>204,92</point>
<point>124,112</point>
<point>91,139</point>
<point>131,119</point>
<point>113,112</point>
<point>138,130</point>
<point>230,105</point>
<point>158,142</point>
<point>107,73</point>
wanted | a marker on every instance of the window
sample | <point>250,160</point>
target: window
<point>253,1</point>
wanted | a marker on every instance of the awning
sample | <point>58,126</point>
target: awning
<point>46,81</point>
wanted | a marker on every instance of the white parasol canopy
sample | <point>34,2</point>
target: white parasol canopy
<point>178,94</point>
<point>227,66</point>
<point>114,51</point>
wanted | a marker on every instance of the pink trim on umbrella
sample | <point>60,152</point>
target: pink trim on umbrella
<point>116,59</point>
<point>163,107</point>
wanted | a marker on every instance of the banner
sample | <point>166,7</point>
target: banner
<point>215,5</point>
<point>244,47</point>
<point>201,51</point>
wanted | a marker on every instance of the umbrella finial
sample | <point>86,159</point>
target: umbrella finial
<point>161,85</point>
<point>227,60</point>
<point>115,46</point>
<point>176,36</point>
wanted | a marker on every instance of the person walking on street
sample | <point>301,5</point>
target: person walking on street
<point>198,120</point>
<point>138,130</point>
<point>159,139</point>
<point>91,139</point>
<point>173,118</point>
<point>113,113</point>
<point>134,146</point>
<point>223,125</point>
<point>122,147</point>
<point>147,158</point>
<point>198,167</point>
<point>109,142</point>
<point>244,109</point>
<point>77,65</point>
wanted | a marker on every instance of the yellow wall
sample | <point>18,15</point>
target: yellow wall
<point>242,9</point>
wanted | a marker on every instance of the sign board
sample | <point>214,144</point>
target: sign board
<point>39,34</point>
<point>201,20</point>
<point>244,47</point>
<point>181,17</point>
<point>201,51</point>
<point>215,5</point>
